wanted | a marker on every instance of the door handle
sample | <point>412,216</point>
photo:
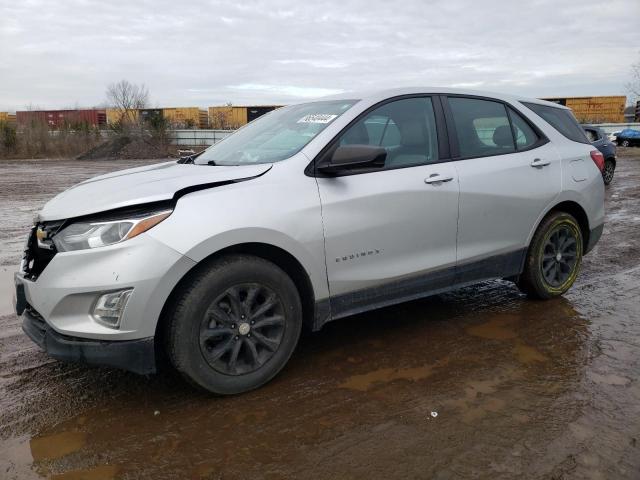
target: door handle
<point>540,163</point>
<point>437,178</point>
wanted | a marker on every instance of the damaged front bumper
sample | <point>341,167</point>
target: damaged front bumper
<point>58,306</point>
<point>137,356</point>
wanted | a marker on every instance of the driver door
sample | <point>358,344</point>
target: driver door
<point>390,233</point>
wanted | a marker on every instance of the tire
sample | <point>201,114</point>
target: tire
<point>625,143</point>
<point>608,171</point>
<point>241,307</point>
<point>547,275</point>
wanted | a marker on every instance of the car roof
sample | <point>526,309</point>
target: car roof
<point>383,94</point>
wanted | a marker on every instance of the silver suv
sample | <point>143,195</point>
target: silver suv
<point>309,214</point>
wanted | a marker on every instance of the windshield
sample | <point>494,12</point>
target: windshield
<point>276,135</point>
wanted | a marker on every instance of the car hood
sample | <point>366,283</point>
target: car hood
<point>140,185</point>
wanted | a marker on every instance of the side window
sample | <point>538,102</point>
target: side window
<point>482,127</point>
<point>523,133</point>
<point>382,131</point>
<point>405,128</point>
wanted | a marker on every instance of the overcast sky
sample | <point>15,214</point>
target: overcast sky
<point>196,53</point>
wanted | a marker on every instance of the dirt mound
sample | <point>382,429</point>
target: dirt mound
<point>109,149</point>
<point>124,147</point>
<point>144,148</point>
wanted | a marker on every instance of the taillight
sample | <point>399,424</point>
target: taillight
<point>598,159</point>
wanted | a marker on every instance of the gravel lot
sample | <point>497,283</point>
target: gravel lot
<point>481,383</point>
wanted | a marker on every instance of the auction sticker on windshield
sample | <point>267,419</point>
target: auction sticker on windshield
<point>317,118</point>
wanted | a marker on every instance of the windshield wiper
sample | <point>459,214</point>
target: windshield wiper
<point>190,158</point>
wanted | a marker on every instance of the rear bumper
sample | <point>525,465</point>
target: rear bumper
<point>137,356</point>
<point>594,236</point>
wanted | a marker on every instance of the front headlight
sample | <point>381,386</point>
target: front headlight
<point>93,234</point>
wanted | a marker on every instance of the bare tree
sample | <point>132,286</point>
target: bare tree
<point>633,87</point>
<point>127,98</point>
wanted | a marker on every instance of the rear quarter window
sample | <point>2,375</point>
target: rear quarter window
<point>561,119</point>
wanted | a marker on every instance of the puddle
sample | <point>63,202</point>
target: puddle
<point>527,354</point>
<point>58,445</point>
<point>495,329</point>
<point>365,381</point>
<point>609,379</point>
<point>470,410</point>
<point>104,472</point>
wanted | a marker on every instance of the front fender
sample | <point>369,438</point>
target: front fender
<point>268,237</point>
<point>274,209</point>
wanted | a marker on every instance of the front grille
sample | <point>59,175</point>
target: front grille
<point>38,254</point>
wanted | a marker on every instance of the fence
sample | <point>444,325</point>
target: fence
<point>197,138</point>
<point>187,138</point>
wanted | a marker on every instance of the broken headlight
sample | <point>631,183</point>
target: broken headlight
<point>93,234</point>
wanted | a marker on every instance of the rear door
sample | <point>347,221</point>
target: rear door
<point>390,234</point>
<point>508,174</point>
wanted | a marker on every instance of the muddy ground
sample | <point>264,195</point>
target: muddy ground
<point>481,383</point>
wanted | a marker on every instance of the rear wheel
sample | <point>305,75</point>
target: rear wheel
<point>554,257</point>
<point>234,325</point>
<point>607,173</point>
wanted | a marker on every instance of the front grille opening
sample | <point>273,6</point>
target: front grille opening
<point>37,258</point>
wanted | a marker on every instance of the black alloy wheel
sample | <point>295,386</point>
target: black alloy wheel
<point>560,256</point>
<point>233,324</point>
<point>242,329</point>
<point>553,258</point>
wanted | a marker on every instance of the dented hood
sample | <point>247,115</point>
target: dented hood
<point>140,185</point>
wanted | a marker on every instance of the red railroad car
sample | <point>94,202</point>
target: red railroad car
<point>56,119</point>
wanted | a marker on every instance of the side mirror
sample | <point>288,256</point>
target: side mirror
<point>349,157</point>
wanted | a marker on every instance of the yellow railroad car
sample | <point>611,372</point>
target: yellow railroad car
<point>232,117</point>
<point>7,117</point>
<point>115,115</point>
<point>227,118</point>
<point>186,117</point>
<point>599,109</point>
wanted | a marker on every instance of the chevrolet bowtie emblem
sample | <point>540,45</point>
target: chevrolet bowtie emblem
<point>41,234</point>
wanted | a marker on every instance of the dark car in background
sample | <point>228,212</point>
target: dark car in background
<point>628,138</point>
<point>600,140</point>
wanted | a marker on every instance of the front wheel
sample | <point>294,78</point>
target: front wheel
<point>554,257</point>
<point>234,325</point>
<point>625,143</point>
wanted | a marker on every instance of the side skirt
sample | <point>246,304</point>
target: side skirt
<point>419,286</point>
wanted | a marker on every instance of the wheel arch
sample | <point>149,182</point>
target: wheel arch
<point>277,255</point>
<point>574,209</point>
